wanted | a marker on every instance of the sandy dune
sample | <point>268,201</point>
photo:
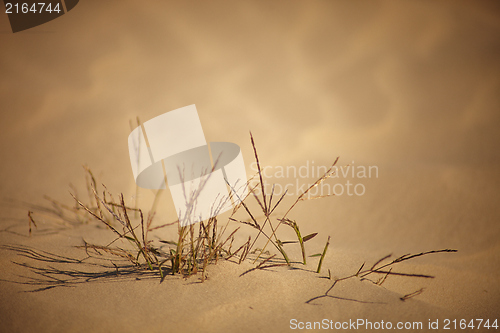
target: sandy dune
<point>408,87</point>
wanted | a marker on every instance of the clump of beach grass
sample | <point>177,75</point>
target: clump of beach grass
<point>196,246</point>
<point>193,250</point>
<point>199,245</point>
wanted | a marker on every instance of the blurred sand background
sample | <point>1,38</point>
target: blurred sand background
<point>410,87</point>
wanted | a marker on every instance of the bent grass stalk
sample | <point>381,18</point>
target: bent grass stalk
<point>364,274</point>
<point>325,176</point>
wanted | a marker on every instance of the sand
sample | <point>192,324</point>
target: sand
<point>411,88</point>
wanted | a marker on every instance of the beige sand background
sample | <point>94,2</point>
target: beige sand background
<point>410,87</point>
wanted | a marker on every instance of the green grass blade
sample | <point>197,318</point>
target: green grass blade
<point>323,255</point>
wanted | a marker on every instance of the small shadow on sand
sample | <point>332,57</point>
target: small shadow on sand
<point>61,271</point>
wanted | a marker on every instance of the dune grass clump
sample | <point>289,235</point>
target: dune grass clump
<point>196,246</point>
<point>193,250</point>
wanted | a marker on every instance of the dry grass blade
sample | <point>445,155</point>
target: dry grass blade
<point>238,250</point>
<point>317,197</point>
<point>309,237</point>
<point>380,260</point>
<point>266,212</point>
<point>95,215</point>
<point>246,249</point>
<point>279,201</point>
<point>163,225</point>
<point>330,172</point>
<point>401,259</point>
<point>264,261</point>
<point>271,198</point>
<point>403,274</point>
<point>408,256</point>
<point>114,251</point>
<point>382,279</point>
<point>263,266</point>
<point>413,294</point>
<point>256,197</point>
<point>91,186</point>
<point>359,270</point>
